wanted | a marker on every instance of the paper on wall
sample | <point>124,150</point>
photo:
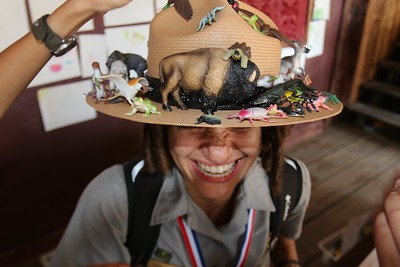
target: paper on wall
<point>65,105</point>
<point>58,69</point>
<point>13,12</point>
<point>92,47</point>
<point>321,10</point>
<point>130,39</point>
<point>316,38</point>
<point>137,11</point>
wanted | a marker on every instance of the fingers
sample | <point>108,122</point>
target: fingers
<point>392,214</point>
<point>387,229</point>
<point>386,247</point>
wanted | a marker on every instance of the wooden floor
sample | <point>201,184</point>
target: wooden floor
<point>351,169</point>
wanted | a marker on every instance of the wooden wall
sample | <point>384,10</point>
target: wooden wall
<point>368,30</point>
<point>381,29</point>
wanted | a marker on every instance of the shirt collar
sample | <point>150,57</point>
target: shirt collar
<point>172,199</point>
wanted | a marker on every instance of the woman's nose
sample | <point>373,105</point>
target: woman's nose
<point>218,149</point>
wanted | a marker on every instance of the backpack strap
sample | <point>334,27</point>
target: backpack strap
<point>287,200</point>
<point>143,189</point>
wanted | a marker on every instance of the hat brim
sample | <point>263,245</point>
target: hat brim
<point>179,117</point>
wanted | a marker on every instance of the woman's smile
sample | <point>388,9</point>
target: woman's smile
<point>216,173</point>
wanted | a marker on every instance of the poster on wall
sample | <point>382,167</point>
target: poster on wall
<point>130,39</point>
<point>316,38</point>
<point>39,8</point>
<point>58,69</point>
<point>92,47</point>
<point>321,10</point>
<point>65,105</point>
<point>15,14</point>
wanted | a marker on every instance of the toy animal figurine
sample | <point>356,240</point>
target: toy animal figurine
<point>118,68</point>
<point>204,71</point>
<point>269,31</point>
<point>259,25</point>
<point>302,75</point>
<point>132,62</point>
<point>273,95</point>
<point>209,119</point>
<point>239,52</point>
<point>98,82</point>
<point>127,90</point>
<point>209,18</point>
<point>291,64</point>
<point>331,97</point>
<point>320,102</point>
<point>183,8</point>
<point>274,112</point>
<point>257,113</point>
<point>250,18</point>
<point>269,81</point>
<point>234,4</point>
<point>144,106</point>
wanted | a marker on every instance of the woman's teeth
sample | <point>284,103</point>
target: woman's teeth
<point>217,171</point>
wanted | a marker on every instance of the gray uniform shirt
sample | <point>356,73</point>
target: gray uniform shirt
<point>97,231</point>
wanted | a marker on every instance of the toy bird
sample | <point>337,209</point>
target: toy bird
<point>127,90</point>
<point>183,8</point>
<point>98,82</point>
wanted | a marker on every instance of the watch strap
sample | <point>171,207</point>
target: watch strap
<point>57,45</point>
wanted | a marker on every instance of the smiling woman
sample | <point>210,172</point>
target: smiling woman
<point>213,161</point>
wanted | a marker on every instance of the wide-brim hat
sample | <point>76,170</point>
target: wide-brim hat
<point>210,25</point>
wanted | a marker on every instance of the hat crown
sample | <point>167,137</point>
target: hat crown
<point>170,33</point>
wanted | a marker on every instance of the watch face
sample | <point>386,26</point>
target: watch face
<point>65,46</point>
<point>39,29</point>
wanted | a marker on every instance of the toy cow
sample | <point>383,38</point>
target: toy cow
<point>204,71</point>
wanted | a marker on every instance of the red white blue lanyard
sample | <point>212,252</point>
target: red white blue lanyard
<point>193,248</point>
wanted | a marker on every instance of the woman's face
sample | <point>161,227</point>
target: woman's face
<point>213,160</point>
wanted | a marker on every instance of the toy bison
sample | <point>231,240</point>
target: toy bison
<point>206,72</point>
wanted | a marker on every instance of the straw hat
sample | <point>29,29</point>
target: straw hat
<point>172,33</point>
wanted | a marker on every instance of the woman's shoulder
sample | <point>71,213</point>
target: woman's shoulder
<point>107,187</point>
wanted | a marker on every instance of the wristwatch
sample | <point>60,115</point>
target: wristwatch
<point>53,42</point>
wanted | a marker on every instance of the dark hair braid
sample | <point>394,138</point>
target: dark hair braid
<point>272,155</point>
<point>155,152</point>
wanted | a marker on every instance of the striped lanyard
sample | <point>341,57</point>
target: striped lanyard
<point>193,247</point>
